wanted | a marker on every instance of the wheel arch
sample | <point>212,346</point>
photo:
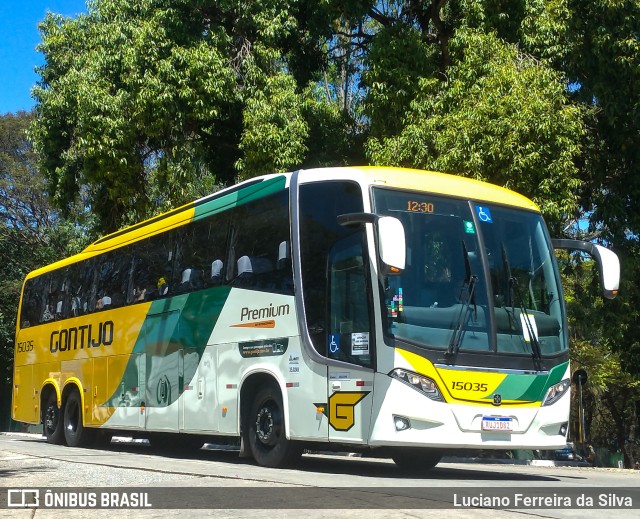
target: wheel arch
<point>250,384</point>
<point>74,384</point>
<point>49,386</point>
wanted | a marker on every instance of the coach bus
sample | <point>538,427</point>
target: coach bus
<point>394,311</point>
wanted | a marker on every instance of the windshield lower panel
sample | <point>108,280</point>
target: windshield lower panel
<point>478,278</point>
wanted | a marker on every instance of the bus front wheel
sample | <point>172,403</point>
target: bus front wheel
<point>52,420</point>
<point>75,433</point>
<point>416,459</point>
<point>266,430</point>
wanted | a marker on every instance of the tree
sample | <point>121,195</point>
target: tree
<point>604,63</point>
<point>23,210</point>
<point>135,95</point>
<point>129,89</point>
<point>612,393</point>
<point>594,46</point>
<point>23,201</point>
<point>31,234</point>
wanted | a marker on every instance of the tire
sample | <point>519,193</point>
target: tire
<point>52,421</point>
<point>266,430</point>
<point>415,460</point>
<point>75,433</point>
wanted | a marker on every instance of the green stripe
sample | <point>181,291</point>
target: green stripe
<point>529,388</point>
<point>240,197</point>
<point>180,322</point>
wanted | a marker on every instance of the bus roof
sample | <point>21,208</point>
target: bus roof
<point>445,184</point>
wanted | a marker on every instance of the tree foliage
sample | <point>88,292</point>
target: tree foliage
<point>129,88</point>
<point>612,393</point>
<point>165,93</point>
<point>31,233</point>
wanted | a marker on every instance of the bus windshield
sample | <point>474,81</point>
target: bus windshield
<point>478,278</point>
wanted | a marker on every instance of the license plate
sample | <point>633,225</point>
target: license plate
<point>497,423</point>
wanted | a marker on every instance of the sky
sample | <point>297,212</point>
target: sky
<point>18,39</point>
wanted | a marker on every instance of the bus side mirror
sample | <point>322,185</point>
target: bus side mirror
<point>392,248</point>
<point>391,240</point>
<point>607,260</point>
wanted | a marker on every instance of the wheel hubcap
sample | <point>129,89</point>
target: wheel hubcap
<point>265,426</point>
<point>51,419</point>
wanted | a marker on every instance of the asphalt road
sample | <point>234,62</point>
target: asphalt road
<point>216,483</point>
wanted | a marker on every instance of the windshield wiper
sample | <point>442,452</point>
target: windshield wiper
<point>463,316</point>
<point>514,290</point>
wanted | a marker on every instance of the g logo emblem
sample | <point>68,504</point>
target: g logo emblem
<point>342,408</point>
<point>497,399</point>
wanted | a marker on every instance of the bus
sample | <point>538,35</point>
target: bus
<point>392,311</point>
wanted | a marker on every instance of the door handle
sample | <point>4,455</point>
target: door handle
<point>336,386</point>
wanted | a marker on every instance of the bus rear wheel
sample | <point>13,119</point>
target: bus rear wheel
<point>266,430</point>
<point>75,433</point>
<point>414,460</point>
<point>52,420</point>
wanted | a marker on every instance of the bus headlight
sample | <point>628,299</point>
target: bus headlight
<point>555,392</point>
<point>425,385</point>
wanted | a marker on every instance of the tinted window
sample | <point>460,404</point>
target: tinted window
<point>440,299</point>
<point>259,245</point>
<point>320,205</point>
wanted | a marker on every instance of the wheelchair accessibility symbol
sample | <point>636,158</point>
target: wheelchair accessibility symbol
<point>334,343</point>
<point>484,214</point>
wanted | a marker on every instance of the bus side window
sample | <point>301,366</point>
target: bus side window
<point>204,242</point>
<point>58,297</point>
<point>152,267</point>
<point>113,282</point>
<point>205,252</point>
<point>258,230</point>
<point>38,305</point>
<point>142,286</point>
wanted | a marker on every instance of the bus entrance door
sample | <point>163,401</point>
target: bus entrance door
<point>350,341</point>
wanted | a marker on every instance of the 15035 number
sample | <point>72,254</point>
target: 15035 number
<point>469,386</point>
<point>25,346</point>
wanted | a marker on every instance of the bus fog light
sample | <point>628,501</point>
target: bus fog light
<point>563,429</point>
<point>401,423</point>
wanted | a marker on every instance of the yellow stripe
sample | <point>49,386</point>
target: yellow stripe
<point>145,231</point>
<point>459,386</point>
